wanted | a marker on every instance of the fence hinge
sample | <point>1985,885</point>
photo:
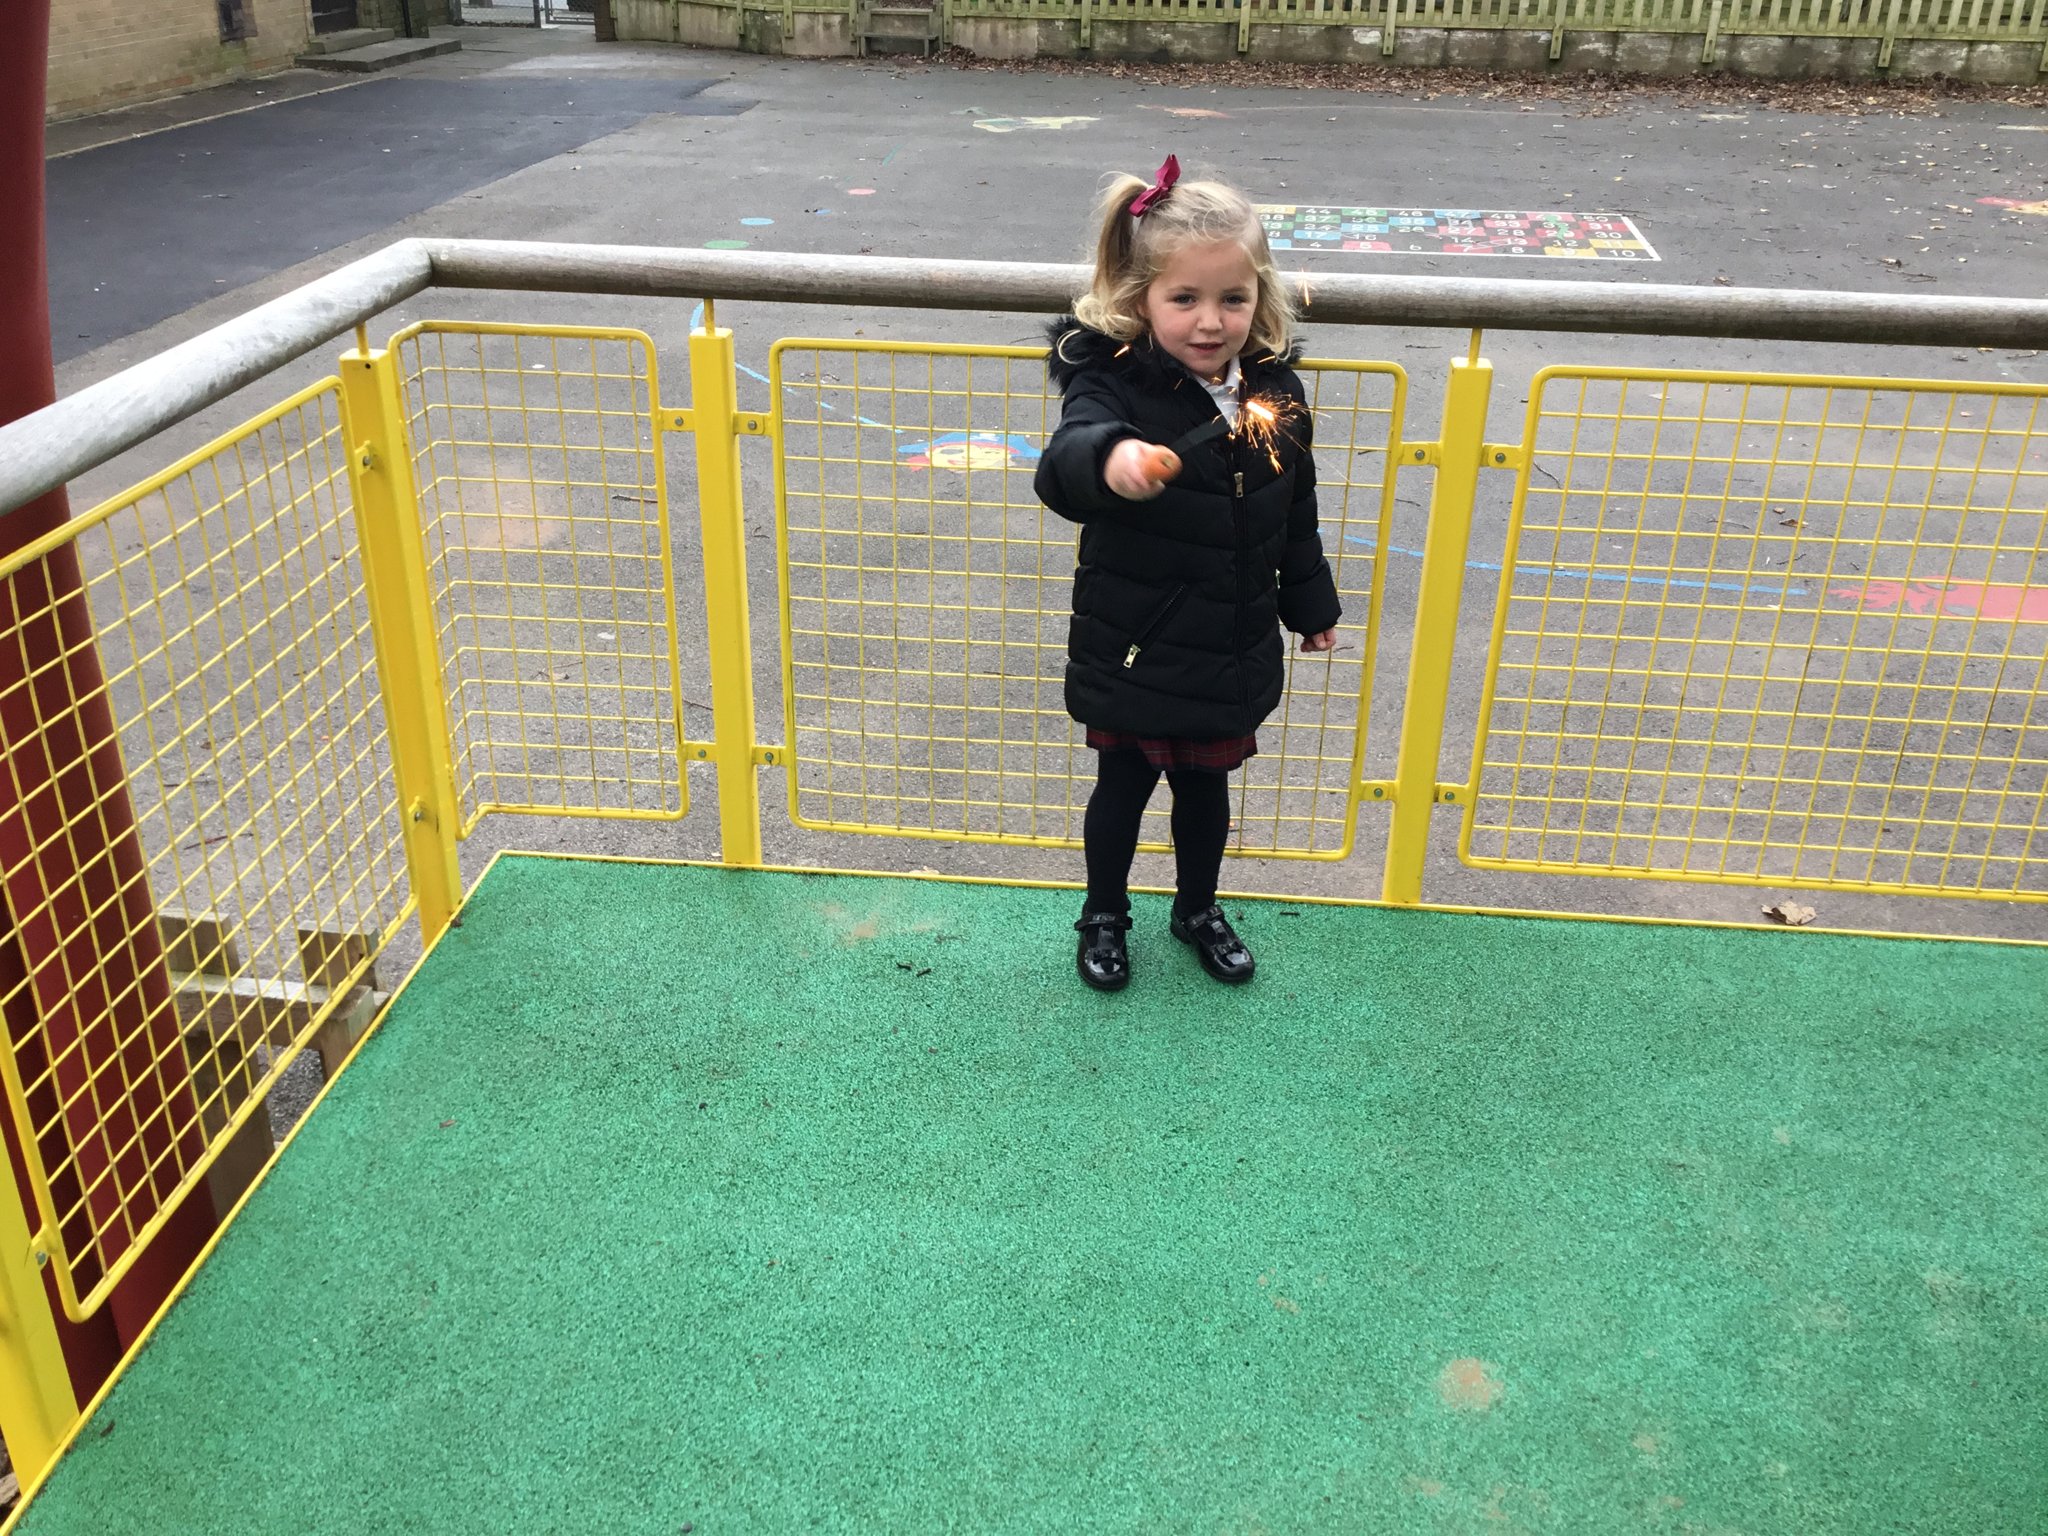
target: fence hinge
<point>1419,453</point>
<point>1383,789</point>
<point>744,423</point>
<point>701,752</point>
<point>1503,456</point>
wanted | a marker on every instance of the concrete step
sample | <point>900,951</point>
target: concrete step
<point>386,55</point>
<point>351,37</point>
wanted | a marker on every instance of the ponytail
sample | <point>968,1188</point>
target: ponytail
<point>1116,261</point>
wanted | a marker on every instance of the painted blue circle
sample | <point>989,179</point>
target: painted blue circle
<point>757,222</point>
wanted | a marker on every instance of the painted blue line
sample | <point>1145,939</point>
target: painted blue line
<point>1571,573</point>
<point>697,319</point>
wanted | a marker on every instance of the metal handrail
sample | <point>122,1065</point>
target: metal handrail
<point>49,447</point>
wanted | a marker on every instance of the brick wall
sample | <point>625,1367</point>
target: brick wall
<point>104,53</point>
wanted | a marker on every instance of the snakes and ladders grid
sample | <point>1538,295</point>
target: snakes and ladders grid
<point>1453,232</point>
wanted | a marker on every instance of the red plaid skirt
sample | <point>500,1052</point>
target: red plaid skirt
<point>1172,753</point>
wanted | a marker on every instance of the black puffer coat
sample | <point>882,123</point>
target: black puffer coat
<point>1178,601</point>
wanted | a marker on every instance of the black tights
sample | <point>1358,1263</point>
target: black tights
<point>1124,781</point>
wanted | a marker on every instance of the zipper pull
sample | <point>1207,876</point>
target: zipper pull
<point>1240,482</point>
<point>1130,658</point>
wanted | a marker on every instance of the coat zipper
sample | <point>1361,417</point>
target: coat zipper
<point>1166,611</point>
<point>1242,531</point>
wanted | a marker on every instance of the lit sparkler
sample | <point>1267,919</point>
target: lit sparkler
<point>1261,426</point>
<point>1258,428</point>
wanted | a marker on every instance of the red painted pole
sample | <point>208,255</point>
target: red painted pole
<point>87,994</point>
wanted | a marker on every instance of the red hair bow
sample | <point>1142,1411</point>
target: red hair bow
<point>1155,194</point>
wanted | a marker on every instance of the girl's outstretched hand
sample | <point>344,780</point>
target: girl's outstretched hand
<point>1139,471</point>
<point>1326,641</point>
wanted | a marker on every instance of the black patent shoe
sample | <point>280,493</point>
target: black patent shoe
<point>1216,944</point>
<point>1101,958</point>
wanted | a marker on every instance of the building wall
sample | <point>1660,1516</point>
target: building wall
<point>104,53</point>
<point>390,14</point>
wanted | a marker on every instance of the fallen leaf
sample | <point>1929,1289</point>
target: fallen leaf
<point>1790,913</point>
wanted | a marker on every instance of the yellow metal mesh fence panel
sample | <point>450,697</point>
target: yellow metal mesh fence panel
<point>203,847</point>
<point>925,597</point>
<point>1773,630</point>
<point>538,457</point>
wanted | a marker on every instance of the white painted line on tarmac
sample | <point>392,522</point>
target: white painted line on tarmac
<point>193,122</point>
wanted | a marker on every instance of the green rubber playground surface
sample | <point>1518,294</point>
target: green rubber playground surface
<point>678,1199</point>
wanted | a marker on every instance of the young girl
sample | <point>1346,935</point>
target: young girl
<point>1191,557</point>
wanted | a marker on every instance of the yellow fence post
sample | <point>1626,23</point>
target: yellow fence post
<point>37,1405</point>
<point>714,411</point>
<point>1459,448</point>
<point>402,620</point>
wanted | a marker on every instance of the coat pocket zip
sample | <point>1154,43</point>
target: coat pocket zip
<point>1166,611</point>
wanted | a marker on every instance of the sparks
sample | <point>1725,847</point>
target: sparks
<point>1262,425</point>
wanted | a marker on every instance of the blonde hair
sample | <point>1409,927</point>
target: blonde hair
<point>1130,252</point>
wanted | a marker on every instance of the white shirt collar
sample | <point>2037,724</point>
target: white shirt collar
<point>1225,393</point>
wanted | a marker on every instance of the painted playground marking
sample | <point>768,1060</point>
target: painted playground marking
<point>970,450</point>
<point>1453,232</point>
<point>1990,602</point>
<point>1029,124</point>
